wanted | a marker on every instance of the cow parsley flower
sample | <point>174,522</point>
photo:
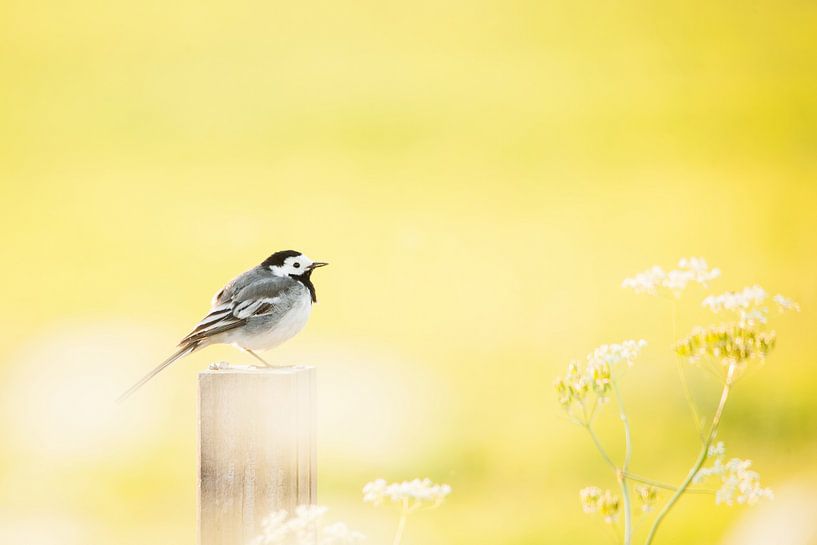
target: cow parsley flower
<point>595,375</point>
<point>648,496</point>
<point>730,345</point>
<point>745,299</point>
<point>748,304</point>
<point>784,303</point>
<point>594,500</point>
<point>306,527</point>
<point>739,483</point>
<point>615,354</point>
<point>646,281</point>
<point>655,279</point>
<point>340,534</point>
<point>419,494</point>
<point>418,491</point>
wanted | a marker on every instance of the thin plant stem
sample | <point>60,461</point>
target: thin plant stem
<point>682,376</point>
<point>622,473</point>
<point>401,525</point>
<point>600,447</point>
<point>713,430</point>
<point>665,486</point>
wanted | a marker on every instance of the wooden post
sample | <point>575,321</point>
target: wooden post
<point>256,448</point>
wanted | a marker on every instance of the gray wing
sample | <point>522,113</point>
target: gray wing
<point>234,286</point>
<point>251,295</point>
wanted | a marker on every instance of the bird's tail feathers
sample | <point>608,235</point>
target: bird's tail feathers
<point>183,351</point>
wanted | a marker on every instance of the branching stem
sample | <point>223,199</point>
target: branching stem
<point>665,486</point>
<point>682,376</point>
<point>713,430</point>
<point>599,447</point>
<point>622,473</point>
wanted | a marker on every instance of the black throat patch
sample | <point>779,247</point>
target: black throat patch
<point>306,280</point>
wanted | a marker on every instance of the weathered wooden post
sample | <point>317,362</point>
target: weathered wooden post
<point>256,448</point>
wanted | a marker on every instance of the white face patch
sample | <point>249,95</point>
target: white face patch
<point>293,266</point>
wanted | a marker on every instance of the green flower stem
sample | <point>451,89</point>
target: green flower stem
<point>600,447</point>
<point>713,430</point>
<point>682,376</point>
<point>665,486</point>
<point>401,525</point>
<point>621,474</point>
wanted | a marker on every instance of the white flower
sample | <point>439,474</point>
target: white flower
<point>748,304</point>
<point>716,450</point>
<point>647,281</point>
<point>375,491</point>
<point>736,301</point>
<point>303,528</point>
<point>738,482</point>
<point>648,496</point>
<point>690,269</point>
<point>786,304</point>
<point>590,497</point>
<point>594,500</point>
<point>340,534</point>
<point>419,491</point>
<point>615,354</point>
<point>742,484</point>
<point>596,375</point>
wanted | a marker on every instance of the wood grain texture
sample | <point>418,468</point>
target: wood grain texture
<point>256,449</point>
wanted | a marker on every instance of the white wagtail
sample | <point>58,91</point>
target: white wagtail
<point>257,310</point>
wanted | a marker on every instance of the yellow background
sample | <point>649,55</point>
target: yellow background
<point>481,176</point>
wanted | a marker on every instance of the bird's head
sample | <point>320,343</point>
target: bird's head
<point>290,263</point>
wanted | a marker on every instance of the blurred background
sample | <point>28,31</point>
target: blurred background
<point>481,177</point>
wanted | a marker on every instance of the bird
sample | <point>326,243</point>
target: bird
<point>257,310</point>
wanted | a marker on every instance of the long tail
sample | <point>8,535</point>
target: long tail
<point>183,351</point>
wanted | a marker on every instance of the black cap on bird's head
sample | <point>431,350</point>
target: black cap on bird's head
<point>293,264</point>
<point>277,259</point>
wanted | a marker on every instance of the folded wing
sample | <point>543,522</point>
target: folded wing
<point>262,297</point>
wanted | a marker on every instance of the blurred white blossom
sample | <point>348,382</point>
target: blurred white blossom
<point>418,491</point>
<point>648,496</point>
<point>596,500</point>
<point>614,354</point>
<point>736,300</point>
<point>654,279</point>
<point>596,375</point>
<point>419,494</point>
<point>748,304</point>
<point>306,527</point>
<point>739,483</point>
<point>339,533</point>
<point>785,303</point>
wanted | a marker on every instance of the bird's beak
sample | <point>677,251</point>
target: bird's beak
<point>317,264</point>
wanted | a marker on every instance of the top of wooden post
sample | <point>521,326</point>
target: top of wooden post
<point>223,367</point>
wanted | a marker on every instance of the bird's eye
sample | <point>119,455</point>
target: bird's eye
<point>296,265</point>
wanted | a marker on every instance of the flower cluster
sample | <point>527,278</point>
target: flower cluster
<point>596,500</point>
<point>784,303</point>
<point>736,300</point>
<point>418,491</point>
<point>596,375</point>
<point>739,483</point>
<point>748,304</point>
<point>306,527</point>
<point>692,269</point>
<point>732,345</point>
<point>648,496</point>
<point>615,354</point>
